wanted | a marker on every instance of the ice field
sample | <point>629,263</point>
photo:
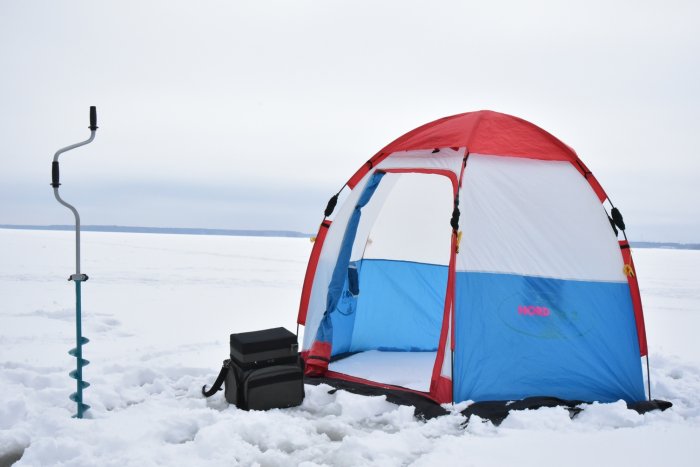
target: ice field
<point>158,310</point>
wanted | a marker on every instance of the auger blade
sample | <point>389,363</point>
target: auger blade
<point>81,383</point>
<point>83,408</point>
<point>74,398</point>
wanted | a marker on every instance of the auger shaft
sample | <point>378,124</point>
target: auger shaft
<point>77,352</point>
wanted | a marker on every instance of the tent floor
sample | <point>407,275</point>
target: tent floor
<point>411,370</point>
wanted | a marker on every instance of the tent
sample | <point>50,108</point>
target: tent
<point>473,258</point>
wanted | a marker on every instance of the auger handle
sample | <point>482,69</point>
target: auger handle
<point>55,175</point>
<point>93,118</point>
<point>55,172</point>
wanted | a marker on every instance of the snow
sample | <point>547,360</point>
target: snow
<point>158,310</point>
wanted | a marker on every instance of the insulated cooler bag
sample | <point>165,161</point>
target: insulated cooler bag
<point>264,371</point>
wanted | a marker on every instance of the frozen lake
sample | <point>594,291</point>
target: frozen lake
<point>158,310</point>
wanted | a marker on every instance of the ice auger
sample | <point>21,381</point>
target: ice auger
<point>78,278</point>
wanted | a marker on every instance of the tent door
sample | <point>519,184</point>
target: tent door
<point>388,319</point>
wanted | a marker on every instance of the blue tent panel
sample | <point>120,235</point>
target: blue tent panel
<point>520,336</point>
<point>399,307</point>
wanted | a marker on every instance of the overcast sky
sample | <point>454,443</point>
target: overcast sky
<point>251,114</point>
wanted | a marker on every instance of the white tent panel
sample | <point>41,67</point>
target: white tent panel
<point>446,369</point>
<point>445,159</point>
<point>414,223</point>
<point>535,218</point>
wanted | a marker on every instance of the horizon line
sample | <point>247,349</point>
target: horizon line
<point>163,230</point>
<point>254,233</point>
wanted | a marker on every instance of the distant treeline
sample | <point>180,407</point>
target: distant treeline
<point>671,245</point>
<point>163,230</point>
<point>259,233</point>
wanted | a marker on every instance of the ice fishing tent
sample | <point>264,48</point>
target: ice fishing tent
<point>473,259</point>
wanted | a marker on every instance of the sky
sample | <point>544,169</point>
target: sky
<point>251,114</point>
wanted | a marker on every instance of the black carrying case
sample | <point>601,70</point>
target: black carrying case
<point>264,348</point>
<point>263,388</point>
<point>264,371</point>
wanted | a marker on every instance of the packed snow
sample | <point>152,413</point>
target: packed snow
<point>158,310</point>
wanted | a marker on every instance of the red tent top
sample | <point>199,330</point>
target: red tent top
<point>484,132</point>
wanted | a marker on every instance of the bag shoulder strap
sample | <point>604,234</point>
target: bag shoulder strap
<point>216,387</point>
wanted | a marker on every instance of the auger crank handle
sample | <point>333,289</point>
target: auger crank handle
<point>93,118</point>
<point>55,175</point>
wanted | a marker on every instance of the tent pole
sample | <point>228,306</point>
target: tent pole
<point>648,376</point>
<point>624,235</point>
<point>452,373</point>
<point>647,355</point>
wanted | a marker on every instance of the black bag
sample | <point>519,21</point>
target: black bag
<point>258,349</point>
<point>264,371</point>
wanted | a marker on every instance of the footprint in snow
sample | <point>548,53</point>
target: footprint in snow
<point>100,324</point>
<point>63,314</point>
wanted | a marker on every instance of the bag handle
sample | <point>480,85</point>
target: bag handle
<point>216,387</point>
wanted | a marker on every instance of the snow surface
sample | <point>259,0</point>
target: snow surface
<point>159,308</point>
